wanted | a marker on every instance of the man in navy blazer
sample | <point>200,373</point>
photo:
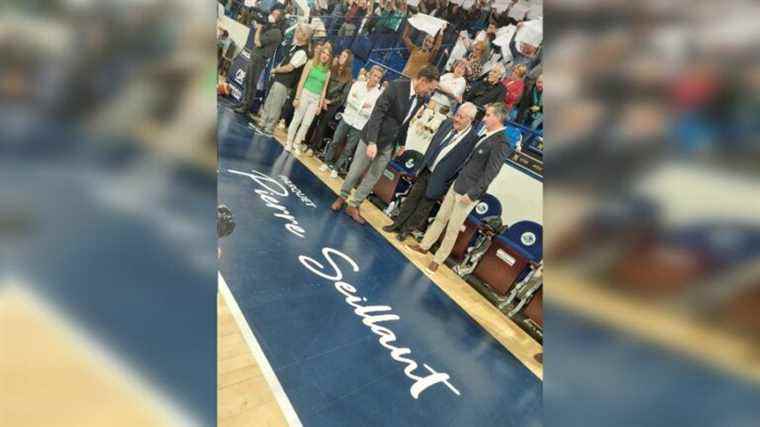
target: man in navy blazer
<point>450,147</point>
<point>484,163</point>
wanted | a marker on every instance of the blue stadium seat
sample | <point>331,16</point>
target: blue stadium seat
<point>510,255</point>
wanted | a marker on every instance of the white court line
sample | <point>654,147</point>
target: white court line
<point>274,384</point>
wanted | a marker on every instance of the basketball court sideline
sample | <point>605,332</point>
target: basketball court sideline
<point>492,351</point>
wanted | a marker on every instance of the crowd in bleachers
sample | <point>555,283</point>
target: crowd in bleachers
<point>505,36</point>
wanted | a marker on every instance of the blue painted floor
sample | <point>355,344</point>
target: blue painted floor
<point>125,248</point>
<point>329,361</point>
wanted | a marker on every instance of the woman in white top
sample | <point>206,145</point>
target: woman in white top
<point>451,87</point>
<point>359,105</point>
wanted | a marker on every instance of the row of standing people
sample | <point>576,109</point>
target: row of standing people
<point>459,164</point>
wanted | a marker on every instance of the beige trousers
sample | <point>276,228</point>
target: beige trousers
<point>452,212</point>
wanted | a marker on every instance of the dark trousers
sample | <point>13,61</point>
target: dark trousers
<point>415,208</point>
<point>320,128</point>
<point>252,74</point>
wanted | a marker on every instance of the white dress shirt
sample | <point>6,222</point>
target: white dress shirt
<point>450,146</point>
<point>413,97</point>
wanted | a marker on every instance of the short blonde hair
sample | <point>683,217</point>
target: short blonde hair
<point>377,68</point>
<point>521,70</point>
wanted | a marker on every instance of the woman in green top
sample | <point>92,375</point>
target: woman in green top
<point>341,79</point>
<point>309,96</point>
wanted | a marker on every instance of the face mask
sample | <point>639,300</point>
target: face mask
<point>271,19</point>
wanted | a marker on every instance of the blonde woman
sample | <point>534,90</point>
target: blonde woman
<point>514,86</point>
<point>310,96</point>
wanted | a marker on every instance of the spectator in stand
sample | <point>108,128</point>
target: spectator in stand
<point>448,150</point>
<point>337,92</point>
<point>384,136</point>
<point>514,86</point>
<point>266,38</point>
<point>451,87</point>
<point>443,11</point>
<point>310,97</point>
<point>479,170</point>
<point>353,18</point>
<point>458,18</point>
<point>420,56</point>
<point>320,8</point>
<point>525,45</point>
<point>476,59</point>
<point>479,14</point>
<point>533,114</point>
<point>428,7</point>
<point>285,79</point>
<point>488,90</point>
<point>502,19</point>
<point>244,17</point>
<point>337,15</point>
<point>223,42</point>
<point>359,104</point>
<point>402,10</point>
<point>390,18</point>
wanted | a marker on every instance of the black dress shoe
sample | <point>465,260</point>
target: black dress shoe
<point>402,235</point>
<point>390,228</point>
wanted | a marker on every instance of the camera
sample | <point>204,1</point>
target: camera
<point>259,15</point>
<point>225,223</point>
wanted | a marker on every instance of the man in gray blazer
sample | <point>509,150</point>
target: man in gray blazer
<point>489,154</point>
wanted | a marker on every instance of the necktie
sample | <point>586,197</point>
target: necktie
<point>446,141</point>
<point>411,110</point>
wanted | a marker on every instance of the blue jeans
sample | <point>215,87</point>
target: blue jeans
<point>344,130</point>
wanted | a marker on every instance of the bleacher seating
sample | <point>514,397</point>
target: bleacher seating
<point>510,255</point>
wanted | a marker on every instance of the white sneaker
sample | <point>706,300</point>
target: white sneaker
<point>288,147</point>
<point>333,174</point>
<point>310,152</point>
<point>324,168</point>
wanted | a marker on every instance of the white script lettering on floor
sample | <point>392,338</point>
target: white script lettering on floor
<point>371,317</point>
<point>270,188</point>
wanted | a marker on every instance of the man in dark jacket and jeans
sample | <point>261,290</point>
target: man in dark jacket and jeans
<point>383,137</point>
<point>266,39</point>
<point>479,170</point>
<point>450,147</point>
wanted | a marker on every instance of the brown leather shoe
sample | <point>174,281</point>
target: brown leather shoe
<point>355,214</point>
<point>539,358</point>
<point>432,267</point>
<point>417,248</point>
<point>337,204</point>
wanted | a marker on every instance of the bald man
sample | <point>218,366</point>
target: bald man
<point>451,145</point>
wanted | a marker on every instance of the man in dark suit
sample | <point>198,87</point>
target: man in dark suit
<point>487,90</point>
<point>444,158</point>
<point>382,136</point>
<point>266,38</point>
<point>490,152</point>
